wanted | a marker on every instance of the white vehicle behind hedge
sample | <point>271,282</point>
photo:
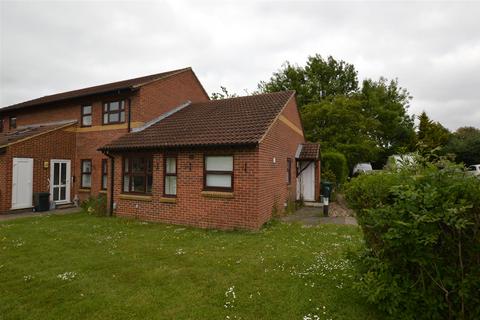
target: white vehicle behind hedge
<point>474,170</point>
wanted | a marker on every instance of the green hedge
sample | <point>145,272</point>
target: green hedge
<point>336,163</point>
<point>422,234</point>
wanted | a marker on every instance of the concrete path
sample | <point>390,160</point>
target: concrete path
<point>314,216</point>
<point>26,214</point>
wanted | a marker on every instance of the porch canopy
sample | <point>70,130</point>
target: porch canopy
<point>308,151</point>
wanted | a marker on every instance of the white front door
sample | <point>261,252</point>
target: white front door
<point>60,181</point>
<point>306,181</point>
<point>22,186</point>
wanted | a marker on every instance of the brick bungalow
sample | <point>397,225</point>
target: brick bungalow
<point>160,150</point>
<point>225,164</point>
<point>50,144</point>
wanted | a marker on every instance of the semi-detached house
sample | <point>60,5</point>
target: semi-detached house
<point>160,150</point>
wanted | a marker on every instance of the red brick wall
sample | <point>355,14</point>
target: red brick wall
<point>193,208</point>
<point>161,96</point>
<point>281,142</point>
<point>59,144</point>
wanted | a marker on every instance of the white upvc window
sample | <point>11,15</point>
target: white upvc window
<point>218,172</point>
<point>170,186</point>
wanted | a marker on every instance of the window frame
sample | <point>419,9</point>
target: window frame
<point>289,171</point>
<point>131,174</point>
<point>104,174</point>
<point>83,114</point>
<point>122,102</point>
<point>165,175</point>
<point>12,119</point>
<point>84,172</point>
<point>218,172</point>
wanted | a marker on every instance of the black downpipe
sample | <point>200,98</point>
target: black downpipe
<point>112,180</point>
<point>129,114</point>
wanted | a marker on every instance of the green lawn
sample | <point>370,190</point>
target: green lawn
<point>83,267</point>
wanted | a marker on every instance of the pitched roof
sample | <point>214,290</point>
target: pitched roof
<point>309,151</point>
<point>226,122</point>
<point>114,86</point>
<point>28,132</point>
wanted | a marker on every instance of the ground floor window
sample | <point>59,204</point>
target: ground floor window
<point>170,186</point>
<point>137,174</point>
<point>104,173</point>
<point>86,173</point>
<point>218,173</point>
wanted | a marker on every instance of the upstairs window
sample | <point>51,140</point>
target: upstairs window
<point>218,173</point>
<point>170,186</point>
<point>104,174</point>
<point>13,123</point>
<point>137,174</point>
<point>114,112</point>
<point>86,116</point>
<point>86,175</point>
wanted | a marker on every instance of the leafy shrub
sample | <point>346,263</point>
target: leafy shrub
<point>328,175</point>
<point>422,232</point>
<point>96,206</point>
<point>336,163</point>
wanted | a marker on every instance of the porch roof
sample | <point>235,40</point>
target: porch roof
<point>308,151</point>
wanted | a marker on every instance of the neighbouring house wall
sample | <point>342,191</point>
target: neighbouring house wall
<point>65,110</point>
<point>148,102</point>
<point>161,96</point>
<point>58,144</point>
<point>88,139</point>
<point>280,142</point>
<point>193,206</point>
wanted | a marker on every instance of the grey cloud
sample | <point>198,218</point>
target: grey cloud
<point>433,48</point>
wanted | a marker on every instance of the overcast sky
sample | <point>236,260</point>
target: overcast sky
<point>433,48</point>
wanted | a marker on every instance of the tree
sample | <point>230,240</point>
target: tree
<point>340,125</point>
<point>465,144</point>
<point>431,135</point>
<point>387,103</point>
<point>224,94</point>
<point>319,79</point>
<point>329,78</point>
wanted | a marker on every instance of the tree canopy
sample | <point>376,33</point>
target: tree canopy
<point>431,134</point>
<point>319,79</point>
<point>465,144</point>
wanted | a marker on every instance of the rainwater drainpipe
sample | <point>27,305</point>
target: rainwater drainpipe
<point>112,180</point>
<point>129,114</point>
